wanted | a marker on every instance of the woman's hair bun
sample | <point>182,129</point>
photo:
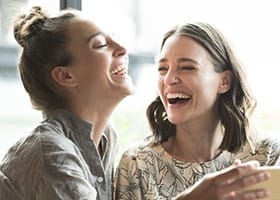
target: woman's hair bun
<point>26,25</point>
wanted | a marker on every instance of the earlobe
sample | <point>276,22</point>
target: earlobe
<point>225,83</point>
<point>63,77</point>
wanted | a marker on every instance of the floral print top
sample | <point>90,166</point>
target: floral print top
<point>149,172</point>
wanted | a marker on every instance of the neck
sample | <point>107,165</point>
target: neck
<point>196,144</point>
<point>96,115</point>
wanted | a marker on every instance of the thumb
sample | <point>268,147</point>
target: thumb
<point>236,162</point>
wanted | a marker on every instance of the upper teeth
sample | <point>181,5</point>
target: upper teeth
<point>119,69</point>
<point>177,95</point>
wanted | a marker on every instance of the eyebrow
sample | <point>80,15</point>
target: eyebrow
<point>179,60</point>
<point>94,35</point>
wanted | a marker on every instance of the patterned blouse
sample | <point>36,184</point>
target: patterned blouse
<point>149,172</point>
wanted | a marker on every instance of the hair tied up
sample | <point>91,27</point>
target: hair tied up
<point>28,24</point>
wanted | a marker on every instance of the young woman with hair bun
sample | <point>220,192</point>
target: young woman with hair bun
<point>75,74</point>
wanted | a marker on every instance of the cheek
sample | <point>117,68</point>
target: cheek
<point>95,59</point>
<point>160,85</point>
<point>92,75</point>
<point>210,81</point>
<point>209,91</point>
<point>161,91</point>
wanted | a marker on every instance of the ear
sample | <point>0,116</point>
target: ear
<point>63,76</point>
<point>225,83</point>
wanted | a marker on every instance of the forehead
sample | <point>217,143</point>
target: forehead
<point>182,43</point>
<point>183,46</point>
<point>81,28</point>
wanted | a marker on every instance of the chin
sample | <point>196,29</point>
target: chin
<point>125,92</point>
<point>129,89</point>
<point>175,119</point>
<point>128,93</point>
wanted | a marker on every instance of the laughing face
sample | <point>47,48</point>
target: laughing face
<point>188,85</point>
<point>99,63</point>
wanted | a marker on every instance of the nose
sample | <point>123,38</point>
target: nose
<point>119,50</point>
<point>171,77</point>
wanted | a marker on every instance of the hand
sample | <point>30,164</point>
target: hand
<point>228,184</point>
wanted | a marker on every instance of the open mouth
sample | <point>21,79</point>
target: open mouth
<point>177,98</point>
<point>119,70</point>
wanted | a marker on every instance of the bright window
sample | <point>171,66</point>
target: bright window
<point>252,26</point>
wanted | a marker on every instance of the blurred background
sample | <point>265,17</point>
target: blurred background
<point>252,26</point>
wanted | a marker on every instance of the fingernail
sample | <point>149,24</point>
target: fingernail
<point>266,175</point>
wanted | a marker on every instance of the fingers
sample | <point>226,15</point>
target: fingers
<point>247,167</point>
<point>230,174</point>
<point>237,162</point>
<point>246,180</point>
<point>231,182</point>
<point>256,194</point>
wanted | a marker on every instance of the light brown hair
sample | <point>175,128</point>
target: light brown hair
<point>234,106</point>
<point>44,45</point>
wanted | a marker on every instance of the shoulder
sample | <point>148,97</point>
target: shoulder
<point>49,137</point>
<point>139,158</point>
<point>141,154</point>
<point>268,140</point>
<point>31,144</point>
<point>25,160</point>
<point>145,146</point>
<point>56,143</point>
<point>46,137</point>
<point>266,148</point>
<point>46,142</point>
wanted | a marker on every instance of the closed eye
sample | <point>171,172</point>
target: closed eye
<point>189,68</point>
<point>100,46</point>
<point>162,68</point>
<point>99,41</point>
